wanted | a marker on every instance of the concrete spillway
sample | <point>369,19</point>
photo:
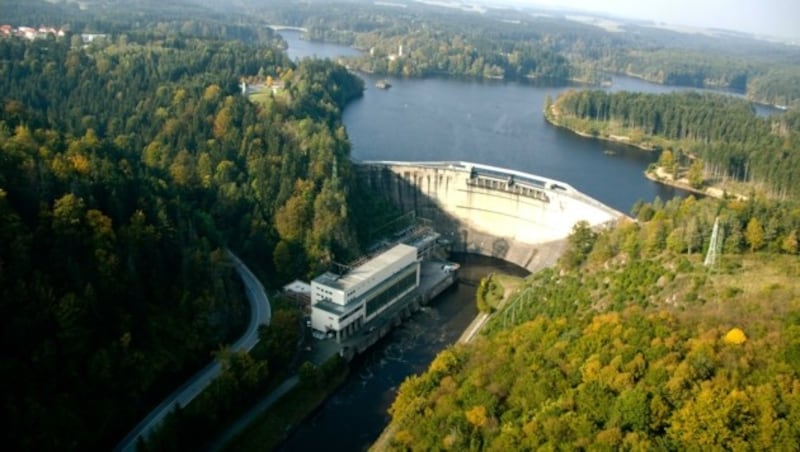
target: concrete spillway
<point>519,217</point>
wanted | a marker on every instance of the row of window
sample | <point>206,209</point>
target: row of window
<point>511,188</point>
<point>348,315</point>
<point>392,292</point>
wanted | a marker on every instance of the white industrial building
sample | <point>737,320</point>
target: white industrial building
<point>342,304</point>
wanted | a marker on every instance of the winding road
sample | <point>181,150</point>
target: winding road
<point>261,313</point>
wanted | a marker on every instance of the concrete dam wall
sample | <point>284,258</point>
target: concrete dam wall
<point>519,217</point>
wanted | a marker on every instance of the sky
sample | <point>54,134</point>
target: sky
<point>780,18</point>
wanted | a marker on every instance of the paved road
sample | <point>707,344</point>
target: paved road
<point>260,313</point>
<point>474,328</point>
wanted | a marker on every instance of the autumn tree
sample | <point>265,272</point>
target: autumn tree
<point>667,161</point>
<point>580,243</point>
<point>754,234</point>
<point>789,243</point>
<point>696,173</point>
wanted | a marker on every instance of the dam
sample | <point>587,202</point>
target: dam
<point>515,216</point>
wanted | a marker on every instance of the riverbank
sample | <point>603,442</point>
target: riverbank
<point>660,175</point>
<point>277,416</point>
<point>589,130</point>
<point>289,408</point>
<point>510,286</point>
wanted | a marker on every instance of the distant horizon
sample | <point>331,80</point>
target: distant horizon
<point>768,18</point>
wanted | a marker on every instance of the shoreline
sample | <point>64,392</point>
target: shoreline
<point>711,190</point>
<point>617,139</point>
<point>469,333</point>
<point>655,175</point>
<point>712,88</point>
<point>576,80</point>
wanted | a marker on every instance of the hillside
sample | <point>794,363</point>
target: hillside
<point>629,343</point>
<point>126,166</point>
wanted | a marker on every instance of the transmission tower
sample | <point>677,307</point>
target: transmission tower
<point>714,246</point>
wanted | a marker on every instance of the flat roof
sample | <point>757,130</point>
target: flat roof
<point>298,286</point>
<point>367,269</point>
<point>422,240</point>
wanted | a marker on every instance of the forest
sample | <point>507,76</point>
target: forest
<point>127,166</point>
<point>719,133</point>
<point>544,46</point>
<point>541,45</point>
<point>631,342</point>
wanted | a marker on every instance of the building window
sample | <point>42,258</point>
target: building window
<point>392,292</point>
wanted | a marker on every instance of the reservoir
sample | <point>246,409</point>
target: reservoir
<point>496,123</point>
<point>491,122</point>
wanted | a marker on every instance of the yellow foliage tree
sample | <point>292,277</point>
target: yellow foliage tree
<point>754,234</point>
<point>293,218</point>
<point>735,336</point>
<point>80,163</point>
<point>211,92</point>
<point>789,243</point>
<point>476,416</point>
<point>222,122</point>
<point>609,438</point>
<point>444,361</point>
<point>696,173</point>
<point>668,162</point>
<point>404,437</point>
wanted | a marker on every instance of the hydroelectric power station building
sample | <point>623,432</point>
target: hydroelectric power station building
<point>342,304</point>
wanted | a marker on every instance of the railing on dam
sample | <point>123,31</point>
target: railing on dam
<point>508,186</point>
<point>543,184</point>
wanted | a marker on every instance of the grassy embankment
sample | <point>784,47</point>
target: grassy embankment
<point>275,424</point>
<point>494,290</point>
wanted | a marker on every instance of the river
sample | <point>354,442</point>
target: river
<point>354,416</point>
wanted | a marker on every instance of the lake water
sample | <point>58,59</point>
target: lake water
<point>495,123</point>
<point>300,48</point>
<point>491,122</point>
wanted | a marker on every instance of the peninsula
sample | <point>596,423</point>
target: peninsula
<point>710,143</point>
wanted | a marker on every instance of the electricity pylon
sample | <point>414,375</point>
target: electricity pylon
<point>714,246</point>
